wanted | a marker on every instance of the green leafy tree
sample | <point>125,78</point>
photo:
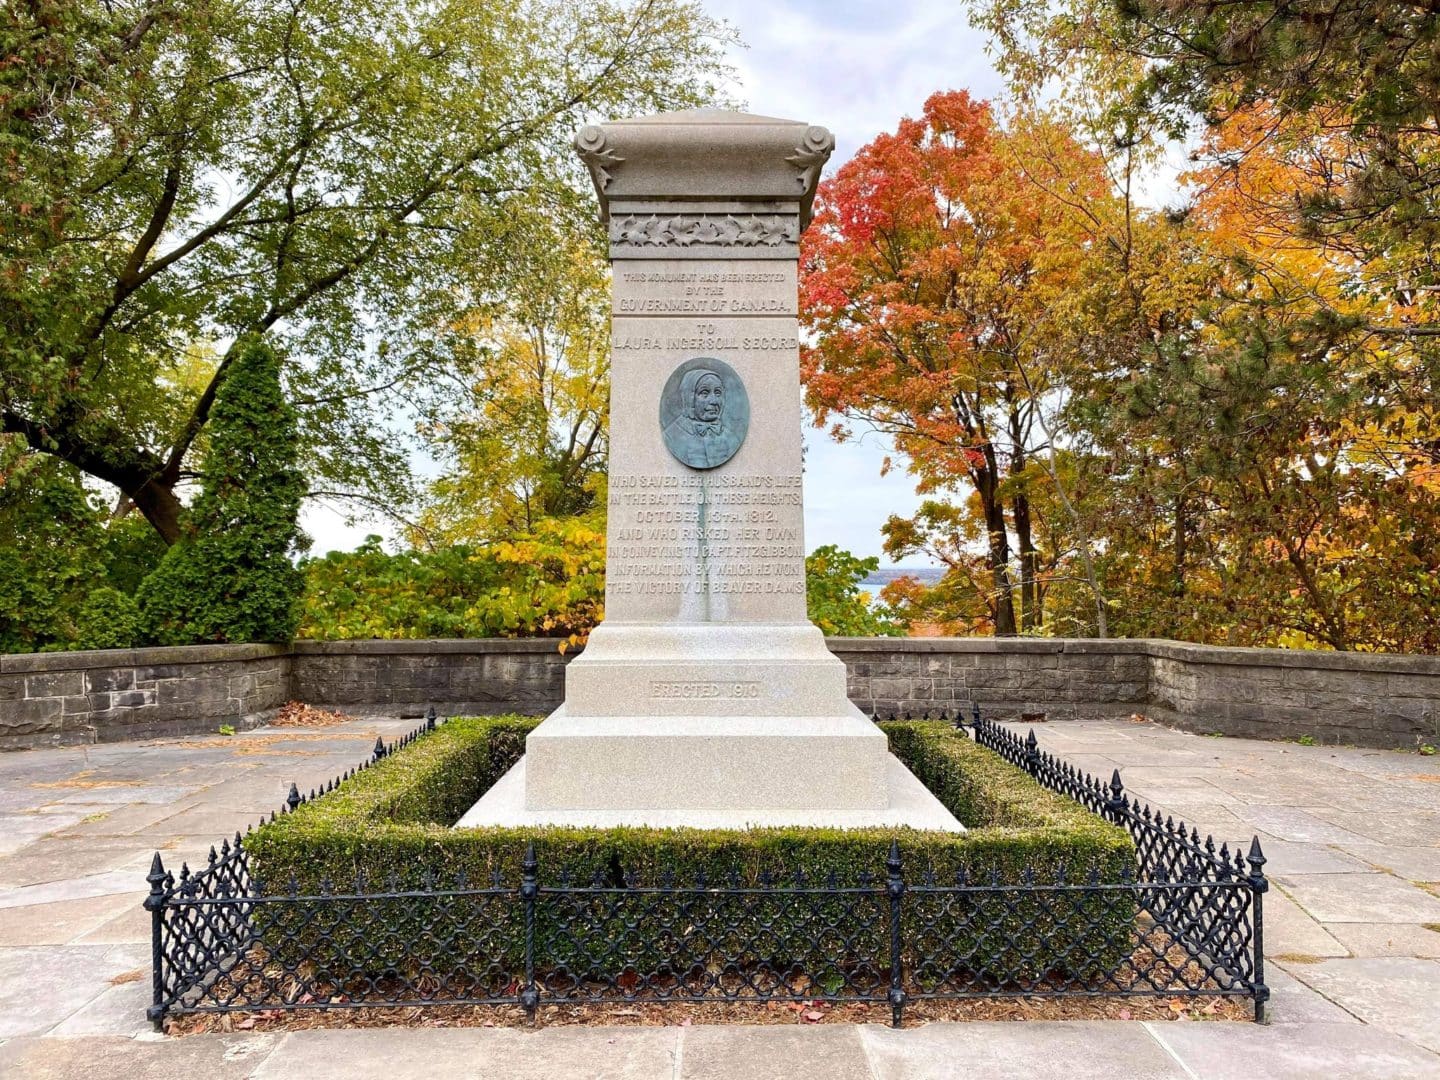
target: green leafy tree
<point>524,437</point>
<point>231,577</point>
<point>548,583</point>
<point>836,603</point>
<point>326,173</point>
<point>59,545</point>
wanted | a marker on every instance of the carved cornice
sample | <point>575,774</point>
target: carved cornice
<point>810,156</point>
<point>708,230</point>
<point>594,149</point>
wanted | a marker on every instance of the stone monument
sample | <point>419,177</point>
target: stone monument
<point>706,697</point>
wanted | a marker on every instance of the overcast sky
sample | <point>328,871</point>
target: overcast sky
<point>855,66</point>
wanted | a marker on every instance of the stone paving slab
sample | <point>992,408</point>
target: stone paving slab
<point>42,987</point>
<point>1410,863</point>
<point>1367,898</point>
<point>1289,930</point>
<point>113,1057</point>
<point>1414,828</point>
<point>106,884</point>
<point>548,1054</point>
<point>1293,1002</point>
<point>1365,1003</point>
<point>1309,1052</point>
<point>994,1051</point>
<point>63,921</point>
<point>1300,824</point>
<point>1398,993</point>
<point>1289,857</point>
<point>1389,939</point>
<point>773,1053</point>
<point>1096,1050</point>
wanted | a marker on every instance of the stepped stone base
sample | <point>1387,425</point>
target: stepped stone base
<point>908,804</point>
<point>720,725</point>
<point>705,762</point>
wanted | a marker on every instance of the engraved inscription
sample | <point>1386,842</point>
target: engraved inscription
<point>689,689</point>
<point>705,535</point>
<point>707,341</point>
<point>704,292</point>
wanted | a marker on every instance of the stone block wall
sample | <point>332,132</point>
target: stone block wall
<point>1365,699</point>
<point>67,698</point>
<point>401,678</point>
<point>1011,679</point>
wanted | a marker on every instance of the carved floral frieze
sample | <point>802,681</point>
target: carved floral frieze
<point>713,230</point>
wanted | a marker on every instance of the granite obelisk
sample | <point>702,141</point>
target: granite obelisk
<point>706,697</point>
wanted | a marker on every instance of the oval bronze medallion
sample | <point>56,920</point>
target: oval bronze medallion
<point>704,412</point>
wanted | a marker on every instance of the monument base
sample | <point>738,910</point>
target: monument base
<point>705,762</point>
<point>909,804</point>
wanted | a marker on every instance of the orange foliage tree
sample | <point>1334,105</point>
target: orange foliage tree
<point>943,288</point>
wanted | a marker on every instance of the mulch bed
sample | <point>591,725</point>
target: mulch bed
<point>653,1014</point>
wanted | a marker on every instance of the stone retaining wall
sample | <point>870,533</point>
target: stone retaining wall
<point>1365,699</point>
<point>401,678</point>
<point>108,695</point>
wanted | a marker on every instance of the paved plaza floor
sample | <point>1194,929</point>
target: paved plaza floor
<point>1352,928</point>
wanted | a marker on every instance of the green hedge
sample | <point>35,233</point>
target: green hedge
<point>391,823</point>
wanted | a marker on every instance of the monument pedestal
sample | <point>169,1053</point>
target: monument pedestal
<point>706,698</point>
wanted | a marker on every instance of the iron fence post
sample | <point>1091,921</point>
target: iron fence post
<point>529,894</point>
<point>1032,754</point>
<point>895,889</point>
<point>155,904</point>
<point>1258,888</point>
<point>1115,804</point>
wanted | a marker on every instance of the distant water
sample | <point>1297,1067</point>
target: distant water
<point>927,575</point>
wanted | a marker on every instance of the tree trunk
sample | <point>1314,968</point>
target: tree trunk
<point>161,508</point>
<point>1182,529</point>
<point>1029,565</point>
<point>987,486</point>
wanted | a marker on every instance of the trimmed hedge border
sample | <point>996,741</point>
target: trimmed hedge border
<point>395,818</point>
<point>391,826</point>
<point>764,915</point>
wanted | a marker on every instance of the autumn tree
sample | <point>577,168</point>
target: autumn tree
<point>1296,438</point>
<point>939,280</point>
<point>519,422</point>
<point>325,174</point>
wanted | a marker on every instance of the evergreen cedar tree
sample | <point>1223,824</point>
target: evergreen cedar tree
<point>231,577</point>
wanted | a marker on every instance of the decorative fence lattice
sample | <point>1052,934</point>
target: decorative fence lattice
<point>1186,922</point>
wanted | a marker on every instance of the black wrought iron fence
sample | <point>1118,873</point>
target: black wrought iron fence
<point>1186,923</point>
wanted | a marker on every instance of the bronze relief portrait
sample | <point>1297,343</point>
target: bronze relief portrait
<point>704,412</point>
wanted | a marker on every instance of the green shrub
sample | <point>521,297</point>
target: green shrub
<point>390,825</point>
<point>549,582</point>
<point>59,544</point>
<point>836,603</point>
<point>108,619</point>
<point>231,576</point>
